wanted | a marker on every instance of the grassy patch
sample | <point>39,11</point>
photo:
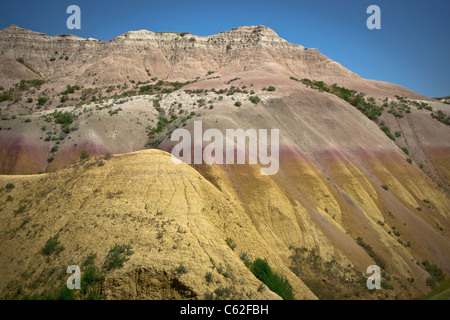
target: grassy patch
<point>441,292</point>
<point>280,285</point>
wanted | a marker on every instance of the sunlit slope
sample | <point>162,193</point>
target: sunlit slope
<point>169,215</point>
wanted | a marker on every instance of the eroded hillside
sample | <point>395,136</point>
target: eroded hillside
<point>363,169</point>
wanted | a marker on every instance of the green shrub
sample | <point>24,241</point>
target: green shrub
<point>63,117</point>
<point>27,120</point>
<point>181,269</point>
<point>42,100</point>
<point>237,103</point>
<point>254,99</point>
<point>405,150</point>
<point>280,285</point>
<point>271,88</point>
<point>116,256</point>
<point>386,286</point>
<point>70,89</point>
<point>65,128</point>
<point>10,186</point>
<point>65,294</point>
<point>385,187</point>
<point>20,60</point>
<point>4,97</point>
<point>387,131</point>
<point>244,257</point>
<point>92,279</point>
<point>230,242</point>
<point>52,246</point>
<point>409,160</point>
<point>20,209</point>
<point>29,100</point>
<point>84,155</point>
<point>208,277</point>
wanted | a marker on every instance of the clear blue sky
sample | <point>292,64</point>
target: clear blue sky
<point>411,49</point>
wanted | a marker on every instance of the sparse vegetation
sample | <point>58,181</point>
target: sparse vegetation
<point>328,280</point>
<point>230,242</point>
<point>371,253</point>
<point>117,256</point>
<point>387,130</point>
<point>181,269</point>
<point>436,273</point>
<point>52,246</point>
<point>26,84</point>
<point>441,117</point>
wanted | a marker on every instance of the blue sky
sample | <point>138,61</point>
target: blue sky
<point>411,49</point>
